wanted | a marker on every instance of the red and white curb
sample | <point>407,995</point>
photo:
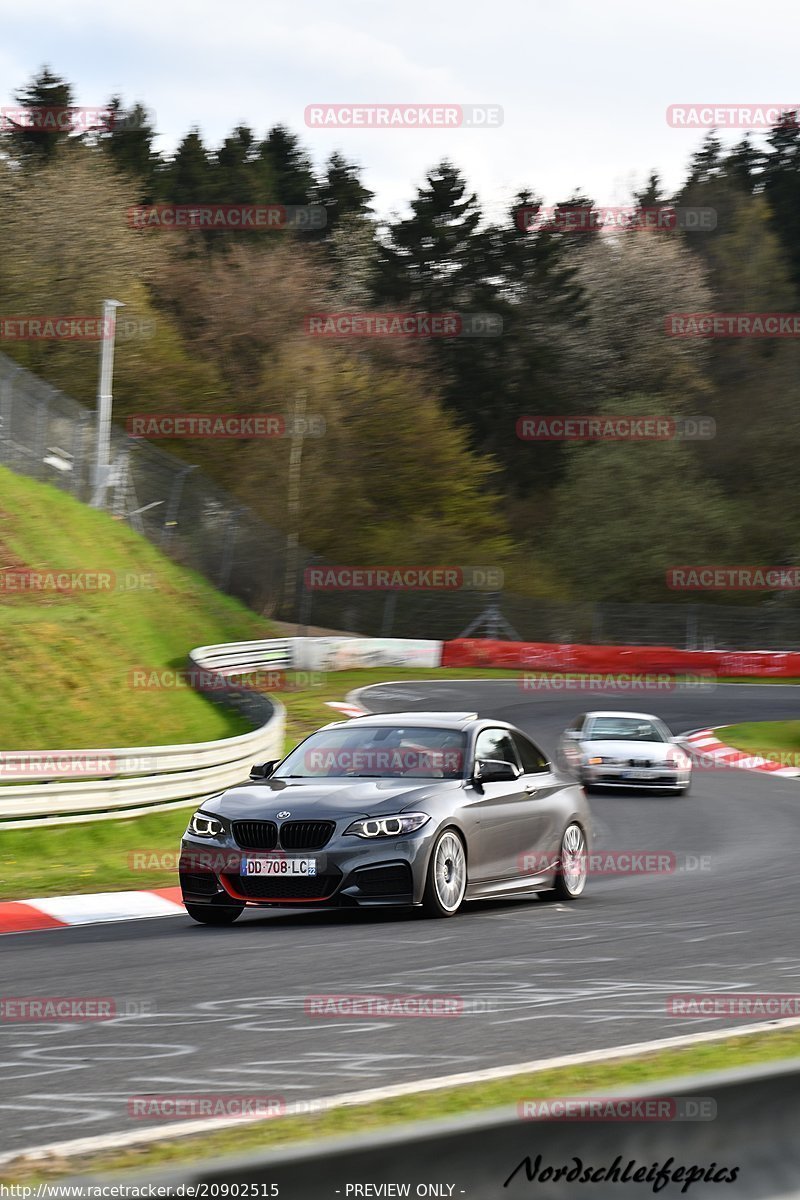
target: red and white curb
<point>60,912</point>
<point>706,744</point>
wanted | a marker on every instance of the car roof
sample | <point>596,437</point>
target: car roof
<point>637,716</point>
<point>445,720</point>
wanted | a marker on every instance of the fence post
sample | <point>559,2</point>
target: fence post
<point>227,549</point>
<point>170,520</point>
<point>389,608</point>
<point>42,414</point>
<point>78,453</point>
<point>5,415</point>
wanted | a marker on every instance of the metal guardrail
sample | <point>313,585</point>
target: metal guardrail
<point>753,1132</point>
<point>151,778</point>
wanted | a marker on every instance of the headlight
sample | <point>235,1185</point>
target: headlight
<point>394,826</point>
<point>203,825</point>
<point>676,761</point>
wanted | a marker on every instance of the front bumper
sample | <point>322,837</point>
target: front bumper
<point>351,872</point>
<point>636,778</point>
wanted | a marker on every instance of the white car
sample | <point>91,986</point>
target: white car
<point>625,750</point>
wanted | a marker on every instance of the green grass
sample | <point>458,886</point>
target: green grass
<point>67,657</point>
<point>770,739</point>
<point>571,1081</point>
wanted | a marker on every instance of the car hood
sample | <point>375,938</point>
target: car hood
<point>655,751</point>
<point>315,798</point>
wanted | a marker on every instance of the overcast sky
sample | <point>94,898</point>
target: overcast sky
<point>584,87</point>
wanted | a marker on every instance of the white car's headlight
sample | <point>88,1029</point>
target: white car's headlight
<point>204,825</point>
<point>394,826</point>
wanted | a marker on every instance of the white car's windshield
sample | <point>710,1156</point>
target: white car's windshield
<point>623,729</point>
<point>377,752</point>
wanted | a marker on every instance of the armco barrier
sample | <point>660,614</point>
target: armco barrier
<point>752,1135</point>
<point>552,656</point>
<point>151,778</point>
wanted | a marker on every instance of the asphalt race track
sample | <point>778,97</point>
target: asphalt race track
<point>227,1005</point>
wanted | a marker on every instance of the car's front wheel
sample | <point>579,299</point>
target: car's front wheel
<point>572,869</point>
<point>215,914</point>
<point>446,881</point>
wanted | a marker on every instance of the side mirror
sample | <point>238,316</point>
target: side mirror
<point>493,770</point>
<point>263,770</point>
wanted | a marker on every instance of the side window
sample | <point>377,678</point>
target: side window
<point>496,744</point>
<point>577,723</point>
<point>532,758</point>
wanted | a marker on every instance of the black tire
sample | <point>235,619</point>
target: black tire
<point>433,902</point>
<point>562,889</point>
<point>215,914</point>
<point>684,791</point>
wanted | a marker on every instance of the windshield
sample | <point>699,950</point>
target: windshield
<point>377,752</point>
<point>624,729</point>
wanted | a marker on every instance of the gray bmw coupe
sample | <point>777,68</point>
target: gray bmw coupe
<point>406,809</point>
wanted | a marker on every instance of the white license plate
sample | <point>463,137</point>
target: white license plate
<point>637,774</point>
<point>279,866</point>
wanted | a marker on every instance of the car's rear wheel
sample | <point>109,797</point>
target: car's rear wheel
<point>572,869</point>
<point>446,881</point>
<point>215,914</point>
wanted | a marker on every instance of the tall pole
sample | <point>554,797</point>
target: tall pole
<point>293,501</point>
<point>104,402</point>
